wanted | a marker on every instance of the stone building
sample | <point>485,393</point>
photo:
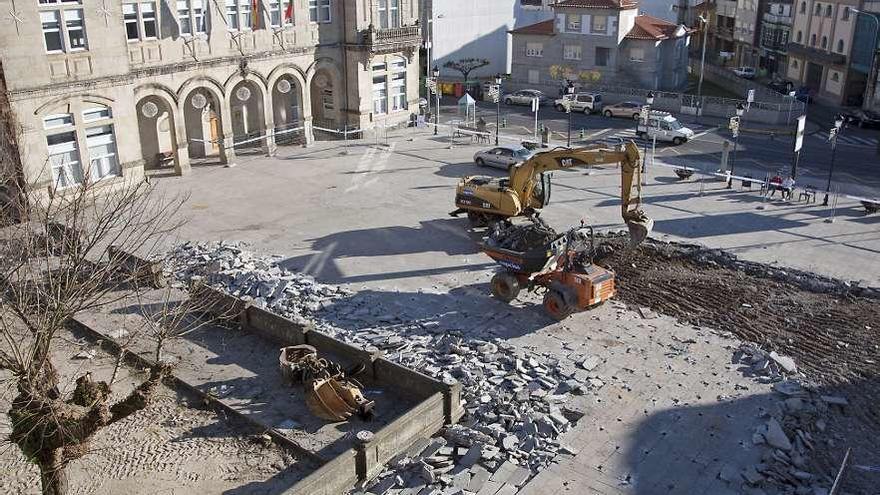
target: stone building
<point>604,41</point>
<point>107,89</point>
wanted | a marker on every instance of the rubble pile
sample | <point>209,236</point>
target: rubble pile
<point>521,237</point>
<point>789,435</point>
<point>514,399</point>
<point>258,280</point>
<point>768,367</point>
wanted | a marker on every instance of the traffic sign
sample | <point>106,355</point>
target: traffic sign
<point>643,114</point>
<point>535,104</point>
<point>751,96</point>
<point>799,135</point>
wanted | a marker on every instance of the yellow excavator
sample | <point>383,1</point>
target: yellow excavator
<point>527,188</point>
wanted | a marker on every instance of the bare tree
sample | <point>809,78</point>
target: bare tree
<point>466,65</point>
<point>53,265</point>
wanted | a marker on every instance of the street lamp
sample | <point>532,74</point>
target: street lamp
<point>569,90</point>
<point>646,116</point>
<point>436,73</point>
<point>705,21</point>
<point>498,106</point>
<point>734,129</point>
<point>832,136</point>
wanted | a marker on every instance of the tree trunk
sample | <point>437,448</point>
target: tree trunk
<point>53,474</point>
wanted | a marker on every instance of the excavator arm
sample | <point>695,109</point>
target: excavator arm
<point>523,179</point>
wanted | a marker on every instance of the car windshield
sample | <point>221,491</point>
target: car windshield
<point>674,124</point>
<point>523,153</point>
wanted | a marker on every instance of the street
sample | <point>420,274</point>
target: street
<point>856,169</point>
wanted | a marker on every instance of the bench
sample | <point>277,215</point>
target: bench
<point>683,173</point>
<point>871,207</point>
<point>808,194</point>
<point>477,134</point>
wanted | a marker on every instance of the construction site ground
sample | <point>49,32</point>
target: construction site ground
<point>674,414</point>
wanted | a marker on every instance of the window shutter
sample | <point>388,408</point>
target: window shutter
<point>585,24</point>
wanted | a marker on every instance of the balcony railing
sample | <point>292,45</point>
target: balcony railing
<point>391,38</point>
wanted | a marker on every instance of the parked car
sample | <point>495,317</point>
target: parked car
<point>780,86</point>
<point>581,102</point>
<point>664,127</point>
<point>745,72</point>
<point>525,97</point>
<point>502,157</point>
<point>626,109</point>
<point>863,118</point>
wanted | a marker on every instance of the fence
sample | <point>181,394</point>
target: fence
<point>769,107</point>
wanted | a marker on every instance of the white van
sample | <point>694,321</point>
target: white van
<point>581,102</point>
<point>664,127</point>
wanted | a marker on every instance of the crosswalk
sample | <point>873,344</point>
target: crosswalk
<point>843,138</point>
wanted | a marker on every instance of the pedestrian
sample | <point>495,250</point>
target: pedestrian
<point>775,184</point>
<point>787,187</point>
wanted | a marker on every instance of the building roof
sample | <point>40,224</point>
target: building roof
<point>599,4</point>
<point>652,28</point>
<point>543,28</point>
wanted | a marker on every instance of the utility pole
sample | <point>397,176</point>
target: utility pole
<point>569,90</point>
<point>496,95</point>
<point>832,136</point>
<point>734,129</point>
<point>705,22</point>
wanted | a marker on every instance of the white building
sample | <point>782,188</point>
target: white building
<point>459,29</point>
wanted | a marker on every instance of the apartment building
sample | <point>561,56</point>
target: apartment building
<point>102,90</point>
<point>603,41</point>
<point>820,51</point>
<point>775,34</point>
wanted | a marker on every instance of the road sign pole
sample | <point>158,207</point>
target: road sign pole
<point>535,109</point>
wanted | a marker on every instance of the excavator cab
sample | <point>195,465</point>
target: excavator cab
<point>542,191</point>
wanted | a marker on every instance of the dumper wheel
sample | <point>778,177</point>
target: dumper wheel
<point>505,287</point>
<point>556,306</point>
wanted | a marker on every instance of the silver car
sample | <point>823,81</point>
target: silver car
<point>524,97</point>
<point>502,157</point>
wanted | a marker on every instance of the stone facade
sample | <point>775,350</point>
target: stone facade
<point>603,41</point>
<point>128,86</point>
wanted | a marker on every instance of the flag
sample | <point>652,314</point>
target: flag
<point>168,26</point>
<point>256,15</point>
<point>288,12</point>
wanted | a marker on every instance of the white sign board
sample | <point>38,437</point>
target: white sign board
<point>799,135</point>
<point>751,96</point>
<point>535,103</point>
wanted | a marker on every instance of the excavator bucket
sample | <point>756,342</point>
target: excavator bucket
<point>324,401</point>
<point>639,228</point>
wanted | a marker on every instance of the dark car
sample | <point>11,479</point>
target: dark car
<point>863,118</point>
<point>784,87</point>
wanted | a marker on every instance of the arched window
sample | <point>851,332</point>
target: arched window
<point>828,11</point>
<point>794,64</point>
<point>835,76</point>
<point>95,122</point>
<point>824,42</point>
<point>845,14</point>
<point>389,85</point>
<point>800,36</point>
<point>803,7</point>
<point>812,40</point>
<point>818,9</point>
<point>839,46</point>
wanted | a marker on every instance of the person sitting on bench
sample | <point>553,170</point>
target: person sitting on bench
<point>775,184</point>
<point>787,187</point>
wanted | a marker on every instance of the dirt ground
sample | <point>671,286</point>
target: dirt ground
<point>171,447</point>
<point>833,339</point>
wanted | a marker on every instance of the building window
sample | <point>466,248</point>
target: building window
<point>839,46</point>
<point>573,22</point>
<point>602,54</point>
<point>572,52</point>
<point>102,152</point>
<point>398,91</point>
<point>278,12</point>
<point>534,77</point>
<point>794,64</point>
<point>599,24</point>
<point>55,32</point>
<point>818,9</point>
<point>835,76</point>
<point>800,36</point>
<point>389,14</point>
<point>824,42</point>
<point>828,11</point>
<point>96,113</point>
<point>319,10</point>
<point>140,21</point>
<point>389,86</point>
<point>812,40</point>
<point>534,49</point>
<point>191,17</point>
<point>845,14</point>
<point>239,15</point>
<point>636,54</point>
<point>803,7</point>
<point>63,150</point>
<point>53,2</point>
<point>380,95</point>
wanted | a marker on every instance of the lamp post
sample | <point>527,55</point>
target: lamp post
<point>869,90</point>
<point>705,21</point>
<point>734,129</point>
<point>569,90</point>
<point>436,73</point>
<point>646,115</point>
<point>497,106</point>
<point>832,136</point>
